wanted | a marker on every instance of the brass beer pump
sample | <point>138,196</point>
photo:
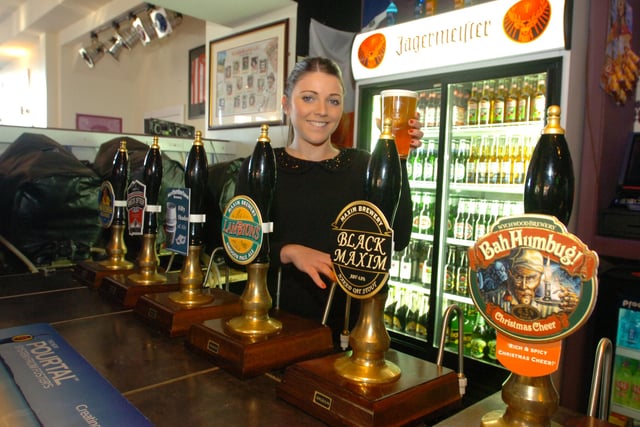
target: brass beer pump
<point>256,301</point>
<point>369,339</point>
<point>147,260</point>
<point>116,248</point>
<point>371,384</point>
<point>369,342</point>
<point>191,277</point>
<point>248,341</point>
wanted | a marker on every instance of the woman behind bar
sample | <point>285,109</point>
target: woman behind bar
<point>315,181</point>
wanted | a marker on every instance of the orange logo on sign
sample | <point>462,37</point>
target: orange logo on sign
<point>372,49</point>
<point>526,20</point>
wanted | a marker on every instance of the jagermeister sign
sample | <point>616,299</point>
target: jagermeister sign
<point>363,244</point>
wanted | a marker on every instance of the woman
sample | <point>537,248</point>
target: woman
<point>315,181</point>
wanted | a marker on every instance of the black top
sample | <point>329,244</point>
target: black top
<point>308,197</point>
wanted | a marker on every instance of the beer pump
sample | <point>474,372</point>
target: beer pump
<point>112,214</point>
<point>147,260</point>
<point>173,312</point>
<point>191,277</point>
<point>259,338</point>
<point>370,384</point>
<point>143,207</point>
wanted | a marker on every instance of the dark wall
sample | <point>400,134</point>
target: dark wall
<point>343,15</point>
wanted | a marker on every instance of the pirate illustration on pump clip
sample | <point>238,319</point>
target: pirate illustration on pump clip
<point>528,286</point>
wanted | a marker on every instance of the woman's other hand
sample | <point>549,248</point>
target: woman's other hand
<point>309,261</point>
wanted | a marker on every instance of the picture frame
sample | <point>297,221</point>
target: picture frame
<point>95,123</point>
<point>247,72</point>
<point>197,82</point>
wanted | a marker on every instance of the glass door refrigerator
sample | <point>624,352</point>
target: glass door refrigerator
<point>481,122</point>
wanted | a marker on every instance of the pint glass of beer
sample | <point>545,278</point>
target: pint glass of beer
<point>400,106</point>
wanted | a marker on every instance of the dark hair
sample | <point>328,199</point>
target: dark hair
<point>311,64</point>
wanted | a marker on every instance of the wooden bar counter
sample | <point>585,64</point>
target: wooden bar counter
<point>168,383</point>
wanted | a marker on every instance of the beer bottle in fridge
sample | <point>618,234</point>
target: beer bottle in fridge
<point>470,220</point>
<point>418,164</point>
<point>524,100</point>
<point>413,314</point>
<point>405,264</point>
<point>394,270</point>
<point>505,160</point>
<point>426,220</point>
<point>453,213</point>
<point>539,100</point>
<point>482,165</point>
<point>472,105</point>
<point>450,271</point>
<point>494,161</point>
<point>498,103</point>
<point>480,225</point>
<point>462,274</point>
<point>390,307</point>
<point>511,102</point>
<point>422,325</point>
<point>427,267</point>
<point>400,314</point>
<point>519,163</point>
<point>460,162</point>
<point>471,166</point>
<point>478,338</point>
<point>417,208</point>
<point>461,219</point>
<point>484,105</point>
<point>431,161</point>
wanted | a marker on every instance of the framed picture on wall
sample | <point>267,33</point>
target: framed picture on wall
<point>98,123</point>
<point>197,82</point>
<point>246,77</point>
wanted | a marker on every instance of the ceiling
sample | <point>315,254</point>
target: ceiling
<point>23,21</point>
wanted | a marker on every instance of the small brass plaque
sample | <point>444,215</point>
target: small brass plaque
<point>322,400</point>
<point>213,346</point>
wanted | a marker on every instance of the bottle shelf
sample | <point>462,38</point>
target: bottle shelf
<point>507,128</point>
<point>422,236</point>
<point>514,189</point>
<point>412,286</point>
<point>422,185</point>
<point>459,242</point>
<point>457,298</point>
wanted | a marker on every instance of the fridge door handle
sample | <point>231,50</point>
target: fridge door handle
<point>601,381</point>
<point>462,379</point>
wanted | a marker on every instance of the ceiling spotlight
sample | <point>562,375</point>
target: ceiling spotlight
<point>93,53</point>
<point>163,21</point>
<point>117,44</point>
<point>130,37</point>
<point>142,24</point>
<point>127,38</point>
